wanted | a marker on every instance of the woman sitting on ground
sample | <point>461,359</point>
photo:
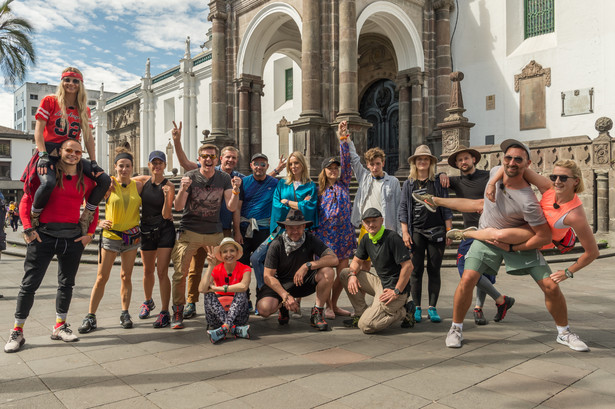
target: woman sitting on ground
<point>562,208</point>
<point>224,286</point>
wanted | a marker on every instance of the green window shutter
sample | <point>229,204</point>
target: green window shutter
<point>539,17</point>
<point>289,84</point>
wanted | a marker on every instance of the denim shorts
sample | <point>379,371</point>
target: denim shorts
<point>118,246</point>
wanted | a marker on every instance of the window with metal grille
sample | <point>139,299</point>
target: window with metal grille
<point>539,17</point>
<point>289,84</point>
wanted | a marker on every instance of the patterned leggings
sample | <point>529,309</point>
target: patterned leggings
<point>237,314</point>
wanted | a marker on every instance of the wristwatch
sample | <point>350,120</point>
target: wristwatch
<point>309,265</point>
<point>396,291</point>
<point>568,273</point>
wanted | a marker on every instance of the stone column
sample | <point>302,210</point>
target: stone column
<point>348,94</point>
<point>602,163</point>
<point>310,60</point>
<point>244,123</point>
<point>417,130</point>
<point>405,142</point>
<point>443,56</point>
<point>255,116</point>
<point>218,17</point>
<point>602,202</point>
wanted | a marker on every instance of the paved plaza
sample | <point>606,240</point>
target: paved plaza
<point>512,364</point>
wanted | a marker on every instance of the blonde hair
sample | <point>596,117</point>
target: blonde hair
<point>414,172</point>
<point>206,146</point>
<point>322,182</point>
<point>81,102</point>
<point>305,176</point>
<point>229,148</point>
<point>60,171</point>
<point>576,172</point>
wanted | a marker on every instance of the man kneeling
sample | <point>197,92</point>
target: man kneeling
<point>290,272</point>
<point>390,288</point>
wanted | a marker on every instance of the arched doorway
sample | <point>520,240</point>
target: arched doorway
<point>380,107</point>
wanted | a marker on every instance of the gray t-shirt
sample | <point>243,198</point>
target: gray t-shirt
<point>512,208</point>
<point>202,211</point>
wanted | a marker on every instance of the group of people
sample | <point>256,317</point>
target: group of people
<point>299,237</point>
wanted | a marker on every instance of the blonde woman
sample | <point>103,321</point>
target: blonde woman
<point>63,116</point>
<point>424,231</point>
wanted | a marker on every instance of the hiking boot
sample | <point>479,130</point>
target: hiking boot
<point>454,337</point>
<point>283,316</point>
<point>85,220</point>
<point>88,324</point>
<point>16,340</point>
<point>433,315</point>
<point>242,331</point>
<point>408,321</point>
<point>216,335</point>
<point>177,322</point>
<point>572,341</point>
<point>125,320</point>
<point>64,333</point>
<point>163,320</point>
<point>352,322</point>
<point>190,310</point>
<point>317,319</point>
<point>426,199</point>
<point>146,308</point>
<point>479,317</point>
<point>417,315</point>
<point>503,308</point>
<point>34,219</point>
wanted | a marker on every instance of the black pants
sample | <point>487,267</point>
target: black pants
<point>250,245</point>
<point>435,253</point>
<point>38,257</point>
<point>48,183</point>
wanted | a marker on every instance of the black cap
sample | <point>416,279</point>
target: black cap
<point>259,155</point>
<point>329,161</point>
<point>371,212</point>
<point>158,155</point>
<point>513,142</point>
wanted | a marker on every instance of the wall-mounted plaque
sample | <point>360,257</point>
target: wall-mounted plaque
<point>578,102</point>
<point>530,85</point>
<point>490,103</point>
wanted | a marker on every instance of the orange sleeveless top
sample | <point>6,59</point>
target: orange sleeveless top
<point>553,215</point>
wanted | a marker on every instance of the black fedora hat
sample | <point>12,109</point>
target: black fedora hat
<point>295,218</point>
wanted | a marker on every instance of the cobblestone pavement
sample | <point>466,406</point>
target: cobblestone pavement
<point>512,364</point>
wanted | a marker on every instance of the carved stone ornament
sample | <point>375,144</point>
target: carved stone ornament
<point>533,69</point>
<point>601,154</point>
<point>450,142</point>
<point>604,125</point>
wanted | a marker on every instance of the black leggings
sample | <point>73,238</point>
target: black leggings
<point>48,183</point>
<point>435,253</point>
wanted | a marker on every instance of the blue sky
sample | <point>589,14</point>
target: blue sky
<point>108,40</point>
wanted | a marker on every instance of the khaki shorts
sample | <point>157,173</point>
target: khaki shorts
<point>486,259</point>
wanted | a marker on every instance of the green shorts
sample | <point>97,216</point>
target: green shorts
<point>486,259</point>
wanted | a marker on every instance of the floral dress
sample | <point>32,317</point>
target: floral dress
<point>334,209</point>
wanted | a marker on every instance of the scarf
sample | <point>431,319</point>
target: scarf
<point>377,236</point>
<point>289,245</point>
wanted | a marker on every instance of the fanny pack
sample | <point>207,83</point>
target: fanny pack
<point>130,236</point>
<point>567,243</point>
<point>434,234</point>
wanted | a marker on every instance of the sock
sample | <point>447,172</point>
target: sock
<point>19,323</point>
<point>90,315</point>
<point>320,308</point>
<point>458,325</point>
<point>561,330</point>
<point>60,320</point>
<point>226,327</point>
<point>124,311</point>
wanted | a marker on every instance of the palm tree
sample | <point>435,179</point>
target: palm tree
<point>16,50</point>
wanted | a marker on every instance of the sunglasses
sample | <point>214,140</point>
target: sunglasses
<point>517,159</point>
<point>207,156</point>
<point>73,80</point>
<point>260,164</point>
<point>562,178</point>
<point>70,151</point>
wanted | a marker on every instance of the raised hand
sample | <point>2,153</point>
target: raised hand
<point>176,132</point>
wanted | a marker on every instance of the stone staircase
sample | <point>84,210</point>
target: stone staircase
<point>16,246</point>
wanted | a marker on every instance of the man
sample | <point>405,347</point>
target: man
<point>200,197</point>
<point>470,185</point>
<point>515,205</point>
<point>292,272</point>
<point>390,287</point>
<point>258,191</point>
<point>58,234</point>
<point>377,189</point>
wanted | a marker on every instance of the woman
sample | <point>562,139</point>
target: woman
<point>334,209</point>
<point>296,191</point>
<point>157,236</point>
<point>13,215</point>
<point>424,231</point>
<point>58,235</point>
<point>120,235</point>
<point>224,287</point>
<point>63,116</point>
<point>562,208</point>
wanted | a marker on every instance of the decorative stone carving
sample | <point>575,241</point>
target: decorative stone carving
<point>533,69</point>
<point>601,146</point>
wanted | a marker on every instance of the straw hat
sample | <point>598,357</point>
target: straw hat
<point>452,160</point>
<point>422,150</point>
<point>224,242</point>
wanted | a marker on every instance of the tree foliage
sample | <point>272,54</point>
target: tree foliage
<point>16,49</point>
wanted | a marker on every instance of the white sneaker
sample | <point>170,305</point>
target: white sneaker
<point>454,337</point>
<point>64,333</point>
<point>572,341</point>
<point>16,340</point>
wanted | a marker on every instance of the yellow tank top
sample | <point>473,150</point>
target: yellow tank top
<point>122,208</point>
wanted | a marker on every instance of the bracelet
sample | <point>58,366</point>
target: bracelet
<point>285,300</point>
<point>277,172</point>
<point>225,288</point>
<point>352,273</point>
<point>510,248</point>
<point>568,273</point>
<point>448,228</point>
<point>235,193</point>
